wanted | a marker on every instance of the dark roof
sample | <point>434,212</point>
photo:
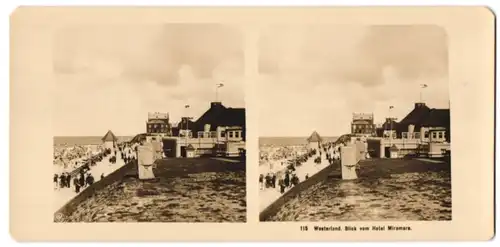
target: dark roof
<point>416,115</point>
<point>314,137</point>
<point>219,115</point>
<point>423,116</point>
<point>109,137</point>
<point>186,124</point>
<point>437,118</point>
<point>387,124</point>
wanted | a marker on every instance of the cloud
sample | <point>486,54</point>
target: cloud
<point>154,53</point>
<point>313,77</point>
<point>354,53</point>
<point>111,76</point>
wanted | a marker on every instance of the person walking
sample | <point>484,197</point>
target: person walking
<point>89,180</point>
<point>82,180</point>
<point>76,183</point>
<point>68,180</point>
<point>62,180</point>
<point>287,179</point>
<point>281,183</point>
<point>56,182</point>
<point>295,180</point>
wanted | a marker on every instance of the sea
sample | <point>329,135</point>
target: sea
<point>290,141</point>
<point>84,140</point>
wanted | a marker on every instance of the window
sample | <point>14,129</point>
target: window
<point>213,134</point>
<point>426,134</point>
<point>223,134</point>
<point>237,134</point>
<point>434,135</point>
<point>440,135</point>
<point>230,134</point>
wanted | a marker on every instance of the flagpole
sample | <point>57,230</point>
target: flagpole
<point>217,93</point>
<point>422,86</point>
<point>390,119</point>
<point>217,86</point>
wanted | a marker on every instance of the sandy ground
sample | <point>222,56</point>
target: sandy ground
<point>185,190</point>
<point>385,190</point>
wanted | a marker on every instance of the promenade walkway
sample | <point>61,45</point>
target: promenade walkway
<point>64,195</point>
<point>268,195</point>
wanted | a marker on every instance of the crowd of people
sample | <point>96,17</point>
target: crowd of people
<point>280,153</point>
<point>81,177</point>
<point>287,177</point>
<point>287,181</point>
<point>70,156</point>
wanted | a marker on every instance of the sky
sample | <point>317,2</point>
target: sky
<point>314,77</point>
<point>108,77</point>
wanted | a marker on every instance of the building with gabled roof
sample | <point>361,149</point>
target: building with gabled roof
<point>423,131</point>
<point>220,116</point>
<point>218,131</point>
<point>109,140</point>
<point>424,117</point>
<point>314,140</point>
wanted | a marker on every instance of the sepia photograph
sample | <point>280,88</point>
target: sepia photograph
<point>354,123</point>
<point>149,123</point>
<point>343,115</point>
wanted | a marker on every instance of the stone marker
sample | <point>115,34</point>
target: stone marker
<point>145,161</point>
<point>348,162</point>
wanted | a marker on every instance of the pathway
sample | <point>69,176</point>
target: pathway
<point>64,195</point>
<point>269,195</point>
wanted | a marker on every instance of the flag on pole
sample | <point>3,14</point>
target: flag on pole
<point>186,106</point>
<point>423,85</point>
<point>220,85</point>
<point>390,107</point>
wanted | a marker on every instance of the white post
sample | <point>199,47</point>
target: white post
<point>348,162</point>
